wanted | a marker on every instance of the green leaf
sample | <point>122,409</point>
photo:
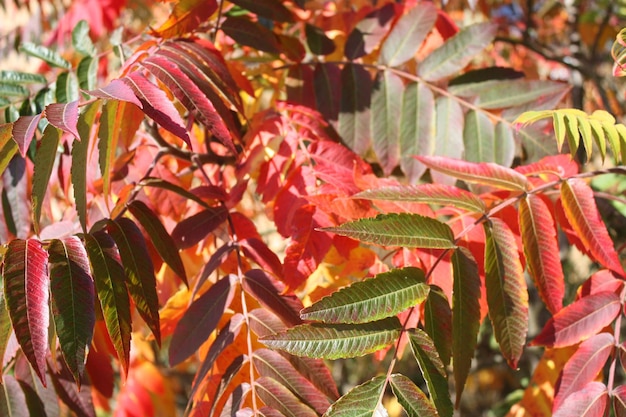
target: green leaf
<point>360,401</point>
<point>411,398</point>
<point>110,279</point>
<point>13,90</point>
<point>404,229</point>
<point>108,135</point>
<point>383,296</point>
<point>438,322</point>
<point>407,35</point>
<point>457,52</point>
<point>72,301</point>
<point>48,55</point>
<point>433,371</point>
<point>8,147</point>
<point>81,40</point>
<point>18,77</point>
<point>478,137</point>
<point>78,169</point>
<point>66,87</point>
<point>5,321</point>
<point>504,145</point>
<point>354,110</point>
<point>385,123</point>
<point>334,341</point>
<point>139,270</point>
<point>279,397</point>
<point>417,128</point>
<point>87,73</point>
<point>44,162</point>
<point>465,316</point>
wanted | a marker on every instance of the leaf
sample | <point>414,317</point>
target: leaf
<point>63,116</point>
<point>542,251</point>
<point>318,42</point>
<point>442,195</point>
<point>109,278</point>
<point>12,398</point>
<point>417,128</point>
<point>253,34</point>
<point>49,56</point>
<point>507,296</point>
<point>404,229</point>
<point>334,341</point>
<point>72,291</point>
<point>478,137</point>
<point>367,34</point>
<point>166,185</point>
<point>579,320</point>
<point>156,105</point>
<point>582,213</point>
<point>385,124</point>
<point>163,242</point>
<point>201,319</point>
<point>407,35</point>
<point>116,90</point>
<point>354,109</point>
<point>271,364</point>
<point>24,130</point>
<point>79,402</point>
<point>280,398</point>
<point>18,77</point>
<point>457,51</point>
<point>270,293</point>
<point>186,16</point>
<point>66,88</point>
<point>433,371</point>
<point>139,269</point>
<point>438,322</point>
<point>504,145</point>
<point>26,284</point>
<point>489,93</point>
<point>87,73</point>
<point>193,229</point>
<point>465,316</point>
<point>326,82</point>
<point>411,398</point>
<point>78,169</point>
<point>13,90</point>
<point>485,173</point>
<point>583,367</point>
<point>449,121</point>
<point>8,147</point>
<point>360,401</point>
<point>591,401</point>
<point>111,121</point>
<point>44,162</point>
<point>6,330</point>
<point>383,296</point>
<point>15,202</point>
<point>270,9</point>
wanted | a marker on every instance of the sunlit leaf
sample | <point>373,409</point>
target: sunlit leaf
<point>64,116</point>
<point>417,128</point>
<point>186,16</point>
<point>280,398</point>
<point>354,111</point>
<point>404,229</point>
<point>489,93</point>
<point>619,400</point>
<point>81,40</point>
<point>412,399</point>
<point>72,291</point>
<point>407,35</point>
<point>8,147</point>
<point>44,162</point>
<point>78,169</point>
<point>18,77</point>
<point>193,229</point>
<point>507,295</point>
<point>383,296</point>
<point>385,124</point>
<point>24,130</point>
<point>49,56</point>
<point>271,9</point>
<point>579,320</point>
<point>591,401</point>
<point>360,401</point>
<point>116,90</point>
<point>334,341</point>
<point>478,137</point>
<point>26,286</point>
<point>367,34</point>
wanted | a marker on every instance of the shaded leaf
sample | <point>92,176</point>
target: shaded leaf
<point>404,229</point>
<point>619,400</point>
<point>383,296</point>
<point>44,162</point>
<point>13,90</point>
<point>591,401</point>
<point>368,33</point>
<point>318,42</point>
<point>79,401</point>
<point>333,341</point>
<point>438,322</point>
<point>24,130</point>
<point>327,82</point>
<point>354,110</point>
<point>253,34</point>
<point>478,137</point>
<point>271,9</point>
<point>12,398</point>
<point>270,293</point>
<point>280,398</point>
<point>411,398</point>
<point>49,56</point>
<point>5,325</point>
<point>360,401</point>
<point>18,77</point>
<point>417,128</point>
<point>64,116</point>
<point>385,124</point>
<point>193,229</point>
<point>166,185</point>
<point>87,73</point>
<point>186,16</point>
<point>450,120</point>
<point>26,284</point>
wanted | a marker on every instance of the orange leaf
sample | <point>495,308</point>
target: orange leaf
<point>186,16</point>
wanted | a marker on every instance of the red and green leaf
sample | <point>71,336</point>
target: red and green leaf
<point>279,397</point>
<point>44,161</point>
<point>362,400</point>
<point>186,16</point>
<point>438,322</point>
<point>411,398</point>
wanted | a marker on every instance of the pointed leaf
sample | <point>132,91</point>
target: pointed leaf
<point>385,124</point>
<point>48,55</point>
<point>280,398</point>
<point>109,278</point>
<point>383,296</point>
<point>318,42</point>
<point>579,320</point>
<point>193,229</point>
<point>5,325</point>
<point>271,9</point>
<point>465,315</point>
<point>507,296</point>
<point>542,251</point>
<point>8,147</point>
<point>404,229</point>
<point>270,293</point>
<point>360,401</point>
<point>253,34</point>
<point>581,211</point>
<point>139,270</point>
<point>417,128</point>
<point>367,34</point>
<point>26,286</point>
<point>66,88</point>
<point>44,162</point>
<point>334,341</point>
<point>584,365</point>
<point>16,204</point>
<point>486,173</point>
<point>354,110</point>
<point>591,401</point>
<point>478,137</point>
<point>24,129</point>
<point>186,16</point>
<point>407,35</point>
<point>504,145</point>
<point>12,398</point>
<point>166,185</point>
<point>438,322</point>
<point>116,90</point>
<point>162,241</point>
<point>63,116</point>
<point>81,40</point>
<point>201,319</point>
<point>411,398</point>
<point>72,291</point>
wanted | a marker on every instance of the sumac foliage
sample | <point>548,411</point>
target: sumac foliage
<point>247,189</point>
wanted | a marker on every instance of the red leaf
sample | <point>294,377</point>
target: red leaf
<point>445,25</point>
<point>591,401</point>
<point>579,320</point>
<point>195,228</point>
<point>269,293</point>
<point>584,366</point>
<point>156,105</point>
<point>603,280</point>
<point>79,401</point>
<point>186,16</point>
<point>253,34</point>
<point>23,131</point>
<point>259,252</point>
<point>26,286</point>
<point>542,251</point>
<point>334,164</point>
<point>63,116</point>
<point>117,90</point>
<point>581,211</point>
<point>215,261</point>
<point>619,401</point>
<point>486,173</point>
<point>101,372</point>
